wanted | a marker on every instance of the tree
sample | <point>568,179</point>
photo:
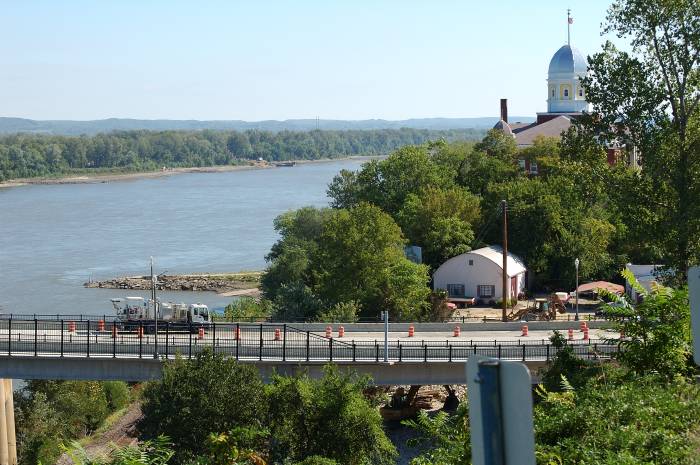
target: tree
<point>360,258</point>
<point>328,417</point>
<point>657,331</point>
<point>200,396</point>
<point>388,182</point>
<point>649,98</point>
<point>498,144</point>
<point>440,221</point>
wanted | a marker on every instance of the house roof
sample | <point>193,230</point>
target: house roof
<point>595,285</point>
<point>495,254</point>
<point>552,128</point>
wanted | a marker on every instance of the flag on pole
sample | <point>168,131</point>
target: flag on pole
<point>571,20</point>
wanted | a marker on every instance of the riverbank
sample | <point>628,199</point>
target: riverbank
<point>104,177</point>
<point>244,283</point>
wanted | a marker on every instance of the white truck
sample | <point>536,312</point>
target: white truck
<point>137,312</point>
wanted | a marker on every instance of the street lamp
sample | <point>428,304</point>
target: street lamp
<point>576,263</point>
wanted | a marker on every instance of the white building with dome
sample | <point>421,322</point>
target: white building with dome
<point>566,101</point>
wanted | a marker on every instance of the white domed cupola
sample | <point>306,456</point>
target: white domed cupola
<point>565,94</point>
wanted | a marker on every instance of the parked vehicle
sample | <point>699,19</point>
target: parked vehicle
<point>136,312</point>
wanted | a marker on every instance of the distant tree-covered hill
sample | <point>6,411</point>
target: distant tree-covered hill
<point>65,127</point>
<point>25,155</point>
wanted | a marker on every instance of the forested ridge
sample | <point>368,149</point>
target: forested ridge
<point>31,155</point>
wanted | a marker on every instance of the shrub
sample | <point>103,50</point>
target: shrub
<point>343,312</point>
<point>328,417</point>
<point>209,394</point>
<point>248,309</point>
<point>117,393</point>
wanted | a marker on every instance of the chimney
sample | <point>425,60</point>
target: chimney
<point>504,109</point>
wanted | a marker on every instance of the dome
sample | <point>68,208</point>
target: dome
<point>566,62</point>
<point>503,126</point>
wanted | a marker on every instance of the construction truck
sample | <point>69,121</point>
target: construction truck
<point>540,308</point>
<point>135,313</point>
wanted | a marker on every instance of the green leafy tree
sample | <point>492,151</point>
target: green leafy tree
<point>440,221</point>
<point>329,418</point>
<point>360,258</point>
<point>197,397</point>
<point>388,182</point>
<point>649,98</point>
<point>247,309</point>
<point>498,145</point>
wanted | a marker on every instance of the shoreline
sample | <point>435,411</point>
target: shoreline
<point>98,178</point>
<point>242,283</point>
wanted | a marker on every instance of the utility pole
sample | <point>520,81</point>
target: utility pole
<point>385,314</point>
<point>155,309</point>
<point>505,294</point>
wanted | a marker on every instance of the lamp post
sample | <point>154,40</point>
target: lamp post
<point>576,263</point>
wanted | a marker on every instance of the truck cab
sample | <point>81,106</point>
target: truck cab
<point>198,313</point>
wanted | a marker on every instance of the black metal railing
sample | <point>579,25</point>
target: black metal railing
<point>259,341</point>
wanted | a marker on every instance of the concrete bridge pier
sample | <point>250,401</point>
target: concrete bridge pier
<point>8,446</point>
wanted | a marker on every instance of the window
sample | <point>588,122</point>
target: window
<point>455,290</point>
<point>471,262</point>
<point>533,167</point>
<point>580,92</point>
<point>552,92</point>
<point>566,92</point>
<point>521,163</point>
<point>485,290</point>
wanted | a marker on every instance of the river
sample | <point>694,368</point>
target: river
<point>53,238</point>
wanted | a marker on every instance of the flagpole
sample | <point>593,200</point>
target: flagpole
<point>568,26</point>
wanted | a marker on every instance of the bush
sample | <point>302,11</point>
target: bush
<point>343,312</point>
<point>316,460</point>
<point>209,394</point>
<point>328,417</point>
<point>248,309</point>
<point>117,393</point>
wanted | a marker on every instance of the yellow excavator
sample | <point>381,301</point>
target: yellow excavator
<point>540,308</point>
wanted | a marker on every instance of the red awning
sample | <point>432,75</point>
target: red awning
<point>595,285</point>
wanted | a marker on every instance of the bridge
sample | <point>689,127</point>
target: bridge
<point>84,349</point>
<point>88,349</point>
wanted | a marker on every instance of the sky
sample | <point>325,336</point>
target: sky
<point>266,59</point>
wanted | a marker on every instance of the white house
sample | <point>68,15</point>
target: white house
<point>479,274</point>
<point>646,275</point>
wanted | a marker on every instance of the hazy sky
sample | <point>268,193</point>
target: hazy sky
<point>255,60</point>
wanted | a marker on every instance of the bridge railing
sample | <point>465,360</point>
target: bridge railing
<point>261,341</point>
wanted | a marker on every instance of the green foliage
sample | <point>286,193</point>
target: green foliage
<point>49,413</point>
<point>565,365</point>
<point>328,417</point>
<point>619,421</point>
<point>447,437</point>
<point>388,182</point>
<point>29,155</point>
<point>247,309</point>
<point>498,145</point>
<point>440,221</point>
<point>316,460</point>
<point>360,258</point>
<point>117,393</point>
<point>157,451</point>
<point>648,97</point>
<point>657,331</point>
<point>237,447</point>
<point>342,312</point>
<point>194,398</point>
